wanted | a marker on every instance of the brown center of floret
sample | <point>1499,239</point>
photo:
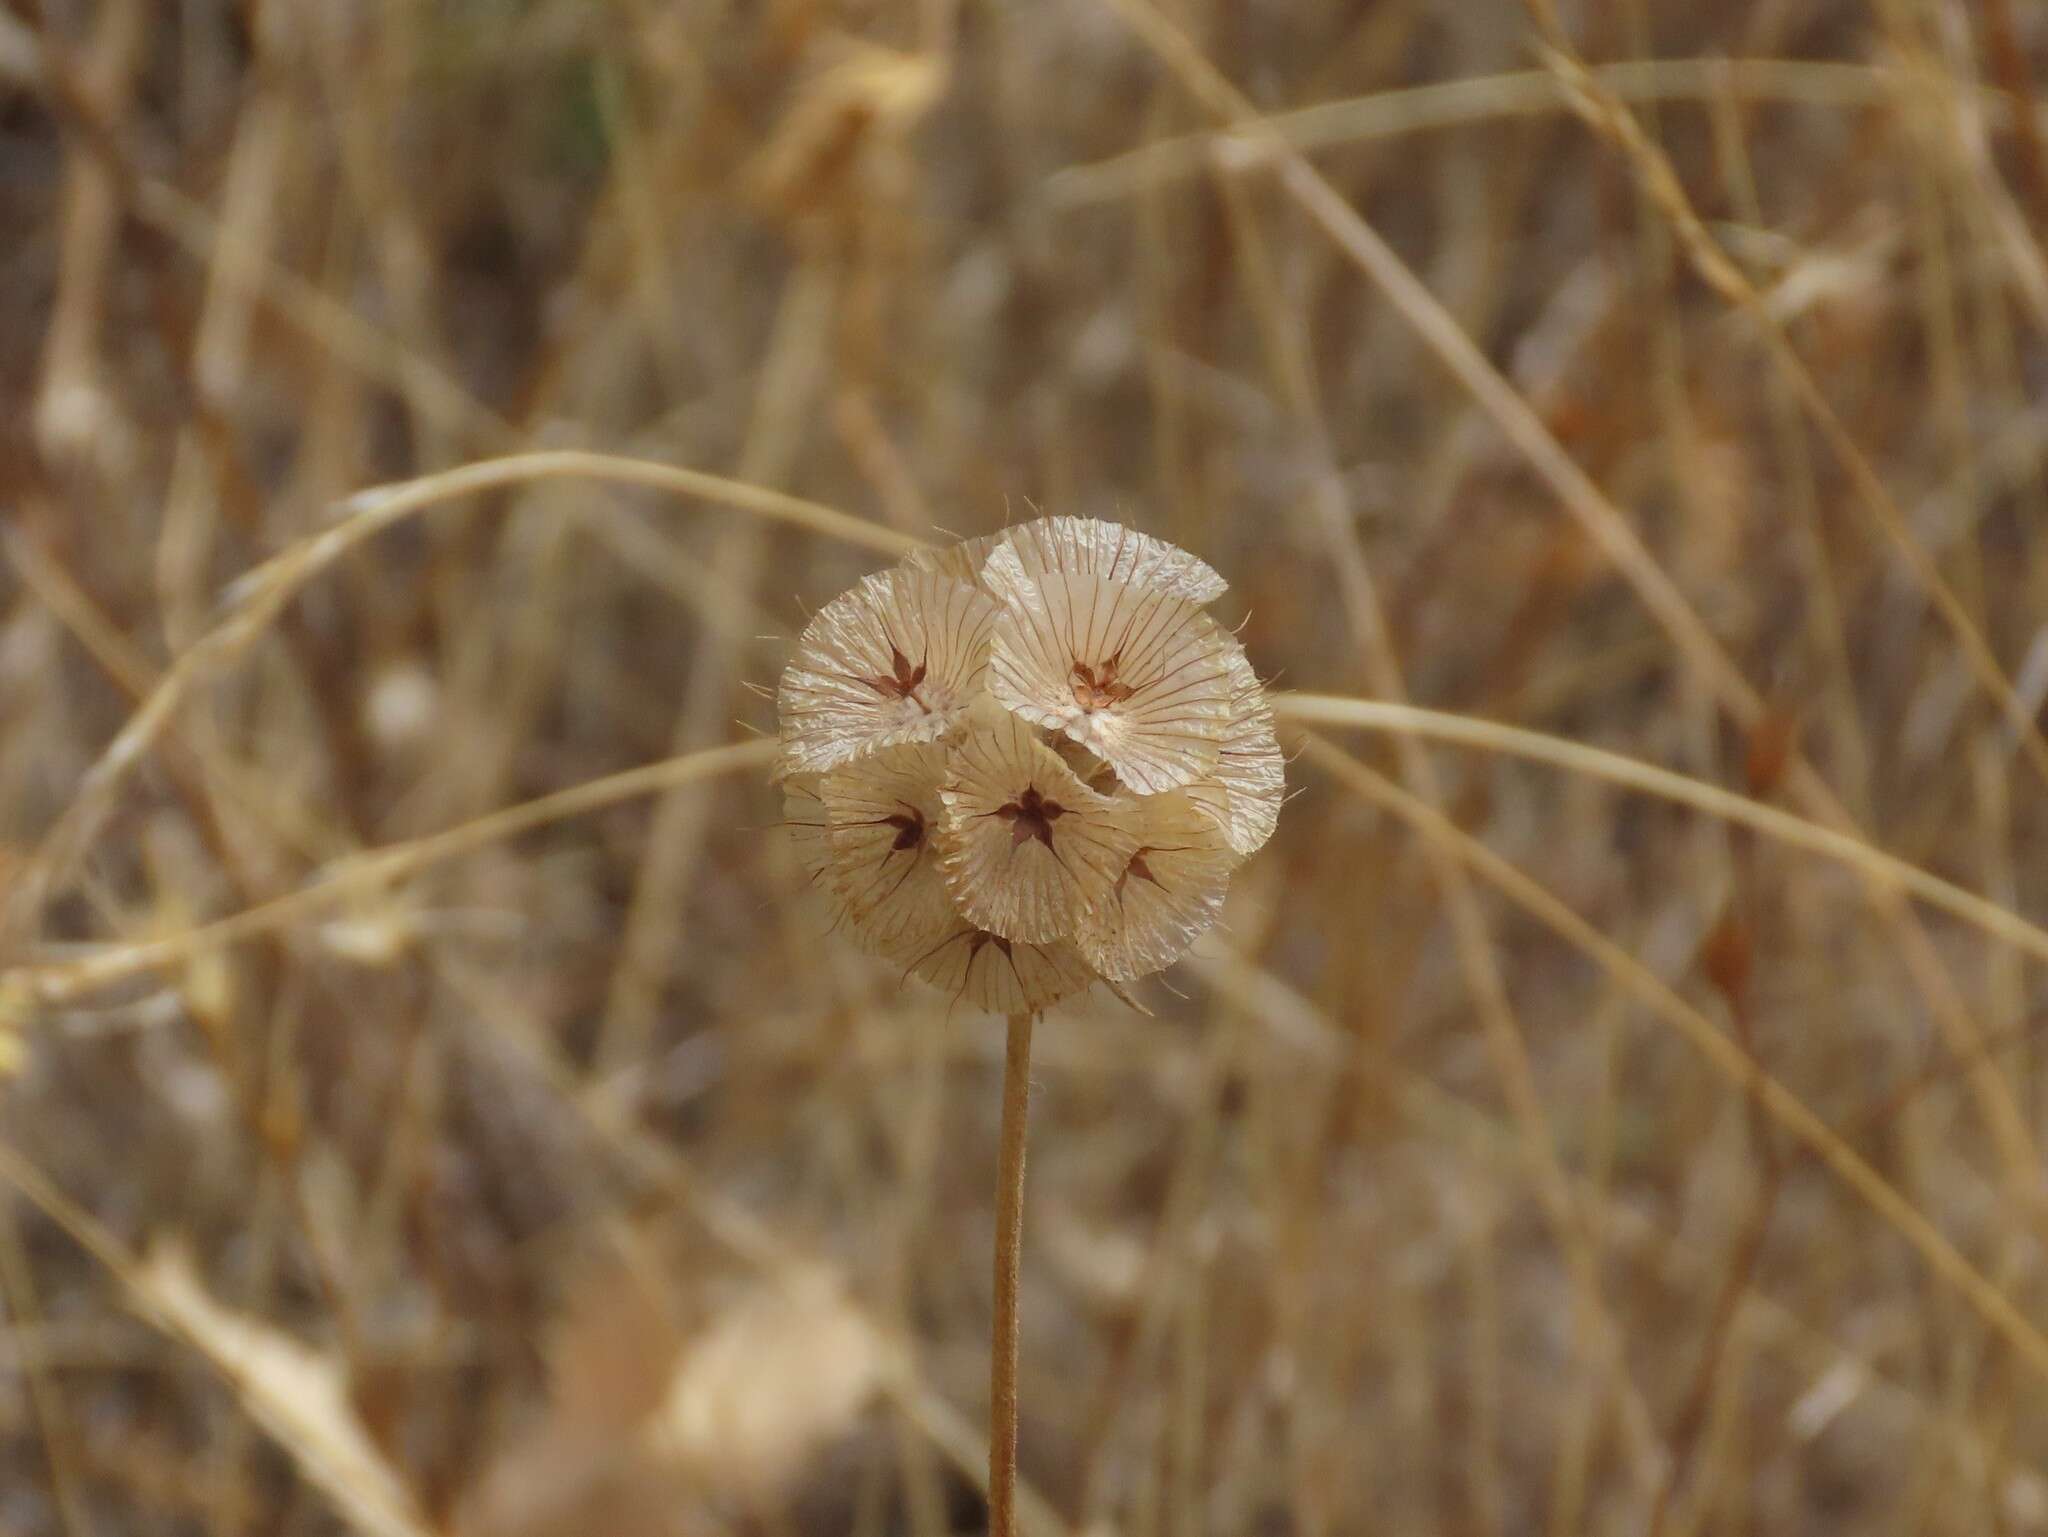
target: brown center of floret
<point>1097,688</point>
<point>983,937</point>
<point>1031,815</point>
<point>909,824</point>
<point>902,682</point>
<point>909,830</point>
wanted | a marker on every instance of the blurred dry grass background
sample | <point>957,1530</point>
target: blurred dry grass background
<point>564,1177</point>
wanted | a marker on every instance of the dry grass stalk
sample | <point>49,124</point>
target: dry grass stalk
<point>298,1395</point>
<point>1725,1056</point>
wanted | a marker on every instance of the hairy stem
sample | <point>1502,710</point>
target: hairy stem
<point>1002,1359</point>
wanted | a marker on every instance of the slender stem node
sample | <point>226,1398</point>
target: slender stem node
<point>1002,1361</point>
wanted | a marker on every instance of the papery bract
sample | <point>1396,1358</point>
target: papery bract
<point>897,659</point>
<point>1133,674</point>
<point>1027,846</point>
<point>882,817</point>
<point>1168,893</point>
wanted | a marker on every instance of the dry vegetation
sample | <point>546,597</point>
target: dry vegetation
<point>1544,1145</point>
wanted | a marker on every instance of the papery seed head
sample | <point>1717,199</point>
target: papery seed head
<point>1168,894</point>
<point>882,862</point>
<point>1028,762</point>
<point>1004,976</point>
<point>897,659</point>
<point>1027,846</point>
<point>1134,675</point>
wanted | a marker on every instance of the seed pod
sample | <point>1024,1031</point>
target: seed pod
<point>1028,762</point>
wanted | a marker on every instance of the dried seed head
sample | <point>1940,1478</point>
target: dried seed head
<point>1028,762</point>
<point>882,815</point>
<point>1004,976</point>
<point>1027,846</point>
<point>1167,895</point>
<point>1134,674</point>
<point>897,659</point>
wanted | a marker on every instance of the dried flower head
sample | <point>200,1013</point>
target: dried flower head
<point>1004,976</point>
<point>882,814</point>
<point>1028,847</point>
<point>1168,892</point>
<point>897,659</point>
<point>1025,763</point>
<point>1102,638</point>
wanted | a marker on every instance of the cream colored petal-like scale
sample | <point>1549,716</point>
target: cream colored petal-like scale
<point>1170,892</point>
<point>1135,676</point>
<point>1088,547</point>
<point>896,659</point>
<point>1249,781</point>
<point>1027,847</point>
<point>882,856</point>
<point>1004,976</point>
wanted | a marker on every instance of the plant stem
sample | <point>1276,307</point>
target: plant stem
<point>1002,1361</point>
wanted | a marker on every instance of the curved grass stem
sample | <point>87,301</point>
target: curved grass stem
<point>254,602</point>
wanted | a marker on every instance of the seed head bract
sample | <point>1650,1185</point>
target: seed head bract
<point>897,659</point>
<point>1027,847</point>
<point>1024,763</point>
